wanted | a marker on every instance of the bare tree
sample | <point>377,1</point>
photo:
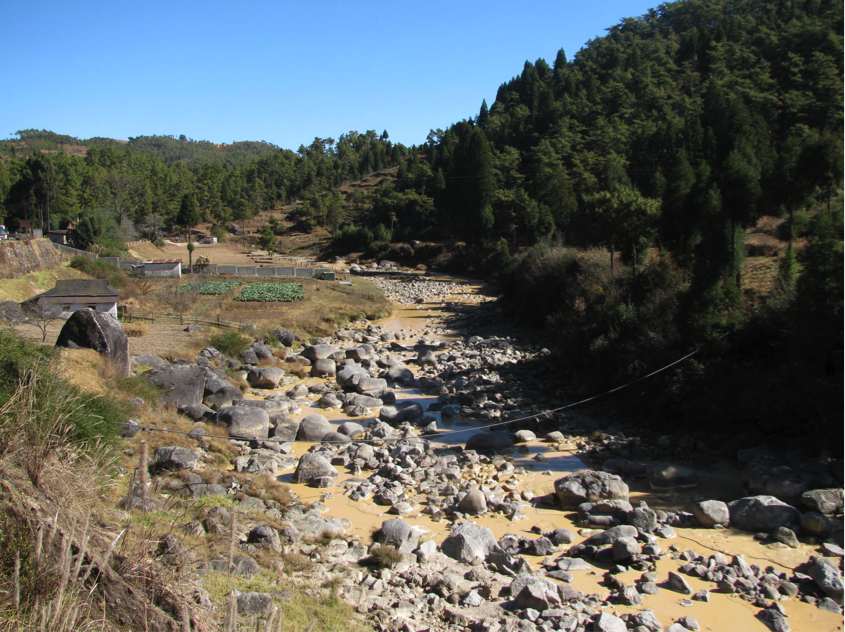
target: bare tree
<point>145,283</point>
<point>179,299</point>
<point>40,315</point>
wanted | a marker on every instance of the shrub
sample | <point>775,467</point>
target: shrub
<point>136,330</point>
<point>98,269</point>
<point>220,233</point>
<point>385,556</point>
<point>351,238</point>
<point>229,343</point>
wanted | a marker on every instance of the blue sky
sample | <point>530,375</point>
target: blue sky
<point>284,72</point>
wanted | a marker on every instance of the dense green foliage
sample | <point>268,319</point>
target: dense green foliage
<point>98,269</point>
<point>671,135</point>
<point>230,343</point>
<point>267,292</point>
<point>155,184</point>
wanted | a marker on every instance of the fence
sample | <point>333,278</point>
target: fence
<point>219,268</point>
<point>181,319</point>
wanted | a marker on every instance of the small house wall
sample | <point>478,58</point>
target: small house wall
<point>110,308</point>
<point>169,270</point>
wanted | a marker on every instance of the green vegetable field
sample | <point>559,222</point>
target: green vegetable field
<point>211,288</point>
<point>269,292</point>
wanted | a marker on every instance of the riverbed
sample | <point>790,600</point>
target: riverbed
<point>539,464</point>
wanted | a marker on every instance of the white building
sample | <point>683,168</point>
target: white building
<point>171,268</point>
<point>74,294</point>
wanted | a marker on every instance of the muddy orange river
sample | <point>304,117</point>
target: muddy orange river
<point>723,613</point>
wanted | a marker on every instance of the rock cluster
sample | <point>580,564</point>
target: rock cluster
<point>469,580</point>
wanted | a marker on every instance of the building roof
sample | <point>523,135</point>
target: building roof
<point>97,290</point>
<point>162,261</point>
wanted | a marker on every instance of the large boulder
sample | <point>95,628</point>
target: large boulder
<point>762,513</point>
<point>468,542</point>
<point>826,575</point>
<point>183,385</point>
<point>324,367</point>
<point>666,476</point>
<point>538,593</point>
<point>265,536</point>
<point>172,458</point>
<point>313,428</point>
<point>396,532</point>
<point>709,513</point>
<point>266,377</point>
<point>245,422</point>
<point>318,352</point>
<point>284,336</point>
<point>12,312</point>
<point>402,411</point>
<point>401,374</point>
<point>823,501</point>
<point>371,385</point>
<point>90,329</point>
<point>311,467</point>
<point>490,443</point>
<point>219,393</point>
<point>474,503</point>
<point>589,486</point>
<point>607,622</point>
<point>284,428</point>
<point>349,376</point>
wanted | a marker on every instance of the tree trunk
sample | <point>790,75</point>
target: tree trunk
<point>612,256</point>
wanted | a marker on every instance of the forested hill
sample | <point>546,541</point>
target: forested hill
<point>168,149</point>
<point>735,104</point>
<point>55,180</point>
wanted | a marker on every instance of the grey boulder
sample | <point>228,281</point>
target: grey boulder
<point>183,385</point>
<point>311,467</point>
<point>313,428</point>
<point>100,331</point>
<point>490,443</point>
<point>174,458</point>
<point>267,377</point>
<point>245,422</point>
<point>762,513</point>
<point>589,486</point>
<point>710,513</point>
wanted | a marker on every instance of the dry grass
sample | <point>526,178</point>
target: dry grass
<point>24,287</point>
<point>136,330</point>
<point>85,368</point>
<point>763,245</point>
<point>326,307</point>
<point>767,225</point>
<point>60,562</point>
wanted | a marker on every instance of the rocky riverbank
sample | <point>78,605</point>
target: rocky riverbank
<point>426,521</point>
